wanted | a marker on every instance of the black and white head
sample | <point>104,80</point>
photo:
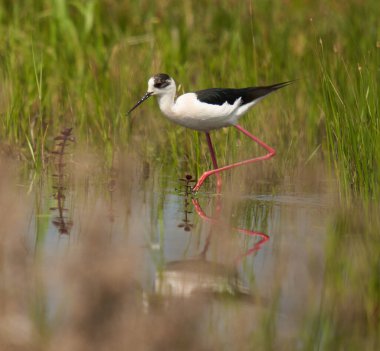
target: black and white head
<point>159,84</point>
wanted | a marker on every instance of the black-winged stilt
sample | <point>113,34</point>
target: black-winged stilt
<point>209,109</point>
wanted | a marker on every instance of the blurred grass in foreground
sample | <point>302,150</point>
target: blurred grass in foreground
<point>82,64</point>
<point>348,314</point>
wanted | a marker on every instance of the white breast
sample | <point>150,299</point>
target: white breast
<point>189,112</point>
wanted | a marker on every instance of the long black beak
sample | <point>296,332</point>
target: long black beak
<point>146,96</point>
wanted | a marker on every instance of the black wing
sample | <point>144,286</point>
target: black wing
<point>218,96</point>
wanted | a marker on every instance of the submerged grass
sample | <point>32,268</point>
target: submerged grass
<point>83,64</point>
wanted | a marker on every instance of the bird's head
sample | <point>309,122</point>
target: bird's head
<point>159,84</point>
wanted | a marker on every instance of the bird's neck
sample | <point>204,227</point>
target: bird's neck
<point>166,103</point>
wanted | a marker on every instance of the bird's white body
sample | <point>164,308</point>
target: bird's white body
<point>189,112</point>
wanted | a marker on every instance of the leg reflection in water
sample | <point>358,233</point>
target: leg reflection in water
<point>200,275</point>
<point>263,238</point>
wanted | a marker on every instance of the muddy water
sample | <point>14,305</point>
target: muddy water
<point>215,270</point>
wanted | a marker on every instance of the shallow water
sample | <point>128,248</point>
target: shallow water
<point>227,267</point>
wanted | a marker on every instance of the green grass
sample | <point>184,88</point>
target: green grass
<point>351,105</point>
<point>83,64</point>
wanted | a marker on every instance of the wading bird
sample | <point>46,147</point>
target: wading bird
<point>207,110</point>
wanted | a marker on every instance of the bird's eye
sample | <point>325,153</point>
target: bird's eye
<point>161,84</point>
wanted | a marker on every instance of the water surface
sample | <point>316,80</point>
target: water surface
<point>214,270</point>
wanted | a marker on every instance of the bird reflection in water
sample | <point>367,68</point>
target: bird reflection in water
<point>198,275</point>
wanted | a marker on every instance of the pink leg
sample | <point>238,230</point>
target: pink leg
<point>214,163</point>
<point>205,175</point>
